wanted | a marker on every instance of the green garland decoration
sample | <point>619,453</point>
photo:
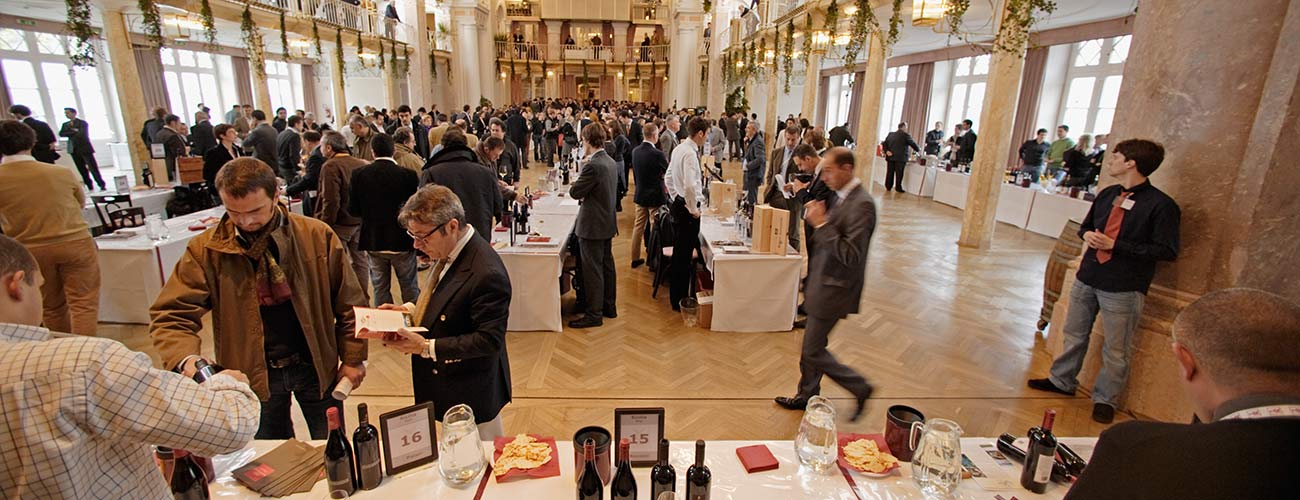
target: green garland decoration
<point>787,53</point>
<point>832,16</point>
<point>406,59</point>
<point>84,52</point>
<point>253,43</point>
<point>392,54</point>
<point>761,57</point>
<point>807,38</point>
<point>708,5</point>
<point>338,52</point>
<point>209,23</point>
<point>955,14</point>
<point>361,49</point>
<point>864,24</point>
<point>284,37</point>
<point>433,64</point>
<point>152,21</point>
<point>381,54</point>
<point>895,21</point>
<point>315,38</point>
<point>1013,35</point>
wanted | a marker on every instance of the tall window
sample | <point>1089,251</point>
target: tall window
<point>839,98</point>
<point>1092,84</point>
<point>285,83</point>
<point>966,100</point>
<point>891,104</point>
<point>197,77</point>
<point>38,76</point>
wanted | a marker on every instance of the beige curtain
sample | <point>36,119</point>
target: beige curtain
<point>149,65</point>
<point>855,102</point>
<point>1031,88</point>
<point>5,101</point>
<point>916,99</point>
<point>243,81</point>
<point>309,90</point>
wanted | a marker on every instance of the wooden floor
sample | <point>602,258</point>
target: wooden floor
<point>949,331</point>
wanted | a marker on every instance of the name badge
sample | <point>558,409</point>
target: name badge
<point>1127,204</point>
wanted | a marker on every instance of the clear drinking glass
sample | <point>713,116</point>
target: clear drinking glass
<point>460,452</point>
<point>936,465</point>
<point>816,444</point>
<point>155,229</point>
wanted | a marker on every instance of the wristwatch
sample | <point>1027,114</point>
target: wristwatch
<point>427,352</point>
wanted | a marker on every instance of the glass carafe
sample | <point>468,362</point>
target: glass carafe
<point>816,444</point>
<point>936,465</point>
<point>460,452</point>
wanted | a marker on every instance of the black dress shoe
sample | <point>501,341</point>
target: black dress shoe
<point>1103,413</point>
<point>1043,384</point>
<point>610,313</point>
<point>587,322</point>
<point>638,263</point>
<point>862,404</point>
<point>795,403</point>
<point>901,190</point>
<point>801,323</point>
<point>801,310</point>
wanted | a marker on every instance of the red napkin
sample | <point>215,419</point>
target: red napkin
<point>756,458</point>
<point>846,438</point>
<point>549,469</point>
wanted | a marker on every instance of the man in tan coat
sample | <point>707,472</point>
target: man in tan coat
<point>281,296</point>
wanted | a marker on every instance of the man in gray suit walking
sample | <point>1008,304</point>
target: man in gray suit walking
<point>597,189</point>
<point>836,273</point>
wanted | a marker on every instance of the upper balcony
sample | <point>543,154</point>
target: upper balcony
<point>635,11</point>
<point>555,53</point>
<point>364,17</point>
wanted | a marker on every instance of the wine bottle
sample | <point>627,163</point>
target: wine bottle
<point>365,441</point>
<point>589,484</point>
<point>662,476</point>
<point>1071,460</point>
<point>698,476</point>
<point>623,487</point>
<point>188,480</point>
<point>339,470</point>
<point>1006,445</point>
<point>1040,455</point>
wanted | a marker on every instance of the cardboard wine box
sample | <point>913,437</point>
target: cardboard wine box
<point>779,237</point>
<point>761,240</point>
<point>722,198</point>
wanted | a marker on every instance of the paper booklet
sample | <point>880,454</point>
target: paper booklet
<point>374,323</point>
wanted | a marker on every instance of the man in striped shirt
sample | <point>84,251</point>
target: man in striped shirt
<point>80,413</point>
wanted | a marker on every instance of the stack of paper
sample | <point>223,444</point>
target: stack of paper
<point>293,467</point>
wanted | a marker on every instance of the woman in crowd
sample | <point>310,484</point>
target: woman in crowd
<point>618,148</point>
<point>217,157</point>
<point>1079,168</point>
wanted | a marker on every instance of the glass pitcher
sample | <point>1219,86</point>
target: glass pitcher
<point>460,452</point>
<point>936,465</point>
<point>816,444</point>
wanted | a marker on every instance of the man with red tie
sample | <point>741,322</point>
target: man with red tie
<point>1130,226</point>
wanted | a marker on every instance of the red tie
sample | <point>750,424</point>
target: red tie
<point>1112,225</point>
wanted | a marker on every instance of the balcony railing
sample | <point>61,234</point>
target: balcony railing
<point>537,52</point>
<point>365,18</point>
<point>650,12</point>
<point>520,9</point>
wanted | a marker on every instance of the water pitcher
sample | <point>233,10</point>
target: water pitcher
<point>460,452</point>
<point>936,465</point>
<point>816,443</point>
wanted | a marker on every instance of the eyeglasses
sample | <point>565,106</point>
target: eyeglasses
<point>425,235</point>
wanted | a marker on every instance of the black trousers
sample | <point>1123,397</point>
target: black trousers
<point>599,279</point>
<point>894,174</point>
<point>686,229</point>
<point>815,361</point>
<point>88,167</point>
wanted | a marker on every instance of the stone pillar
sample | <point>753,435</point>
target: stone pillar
<point>419,82</point>
<point>486,63</point>
<point>811,81</point>
<point>337,86</point>
<point>873,85</point>
<point>468,66</point>
<point>683,64</point>
<point>130,93</point>
<point>769,115</point>
<point>1001,95</point>
<point>620,41</point>
<point>553,40</point>
<point>1236,192</point>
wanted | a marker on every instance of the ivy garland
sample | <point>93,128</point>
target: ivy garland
<point>1013,35</point>
<point>787,52</point>
<point>381,54</point>
<point>361,49</point>
<point>152,20</point>
<point>406,59</point>
<point>895,21</point>
<point>84,51</point>
<point>760,69</point>
<point>954,15</point>
<point>433,64</point>
<point>832,16</point>
<point>807,37</point>
<point>315,37</point>
<point>253,43</point>
<point>392,54</point>
<point>338,52</point>
<point>708,5</point>
<point>209,23</point>
<point>284,37</point>
<point>863,25</point>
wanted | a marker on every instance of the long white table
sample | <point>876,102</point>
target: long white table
<point>1052,211</point>
<point>1015,203</point>
<point>535,269</point>
<point>154,201</point>
<point>751,292</point>
<point>729,482</point>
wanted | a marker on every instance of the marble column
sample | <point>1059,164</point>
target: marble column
<point>553,40</point>
<point>620,41</point>
<point>418,81</point>
<point>130,93</point>
<point>1001,95</point>
<point>1229,164</point>
<point>683,65</point>
<point>810,84</point>
<point>337,87</point>
<point>873,86</point>
<point>487,56</point>
<point>468,69</point>
<point>769,114</point>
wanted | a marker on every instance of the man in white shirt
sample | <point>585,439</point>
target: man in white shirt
<point>81,412</point>
<point>685,194</point>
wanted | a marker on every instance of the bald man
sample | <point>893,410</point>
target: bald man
<point>1238,358</point>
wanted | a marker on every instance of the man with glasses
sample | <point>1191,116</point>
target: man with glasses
<point>465,305</point>
<point>281,297</point>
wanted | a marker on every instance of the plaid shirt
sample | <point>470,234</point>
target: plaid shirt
<point>80,413</point>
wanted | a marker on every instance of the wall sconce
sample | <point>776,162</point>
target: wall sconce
<point>820,39</point>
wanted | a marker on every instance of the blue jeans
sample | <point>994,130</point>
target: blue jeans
<point>1120,312</point>
<point>382,265</point>
<point>299,382</point>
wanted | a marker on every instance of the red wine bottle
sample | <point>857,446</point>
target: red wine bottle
<point>188,480</point>
<point>589,484</point>
<point>623,487</point>
<point>365,441</point>
<point>698,477</point>
<point>1040,455</point>
<point>662,476</point>
<point>339,471</point>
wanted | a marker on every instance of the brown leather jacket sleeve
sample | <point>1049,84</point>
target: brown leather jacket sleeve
<point>347,294</point>
<point>176,317</point>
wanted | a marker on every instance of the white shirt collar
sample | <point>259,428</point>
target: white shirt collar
<point>389,158</point>
<point>455,252</point>
<point>17,333</point>
<point>843,192</point>
<point>15,158</point>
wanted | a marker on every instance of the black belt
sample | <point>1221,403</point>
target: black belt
<point>284,362</point>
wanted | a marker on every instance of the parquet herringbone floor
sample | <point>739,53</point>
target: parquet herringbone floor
<point>944,329</point>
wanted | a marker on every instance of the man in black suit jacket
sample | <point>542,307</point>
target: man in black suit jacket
<point>511,160</point>
<point>814,189</point>
<point>781,162</point>
<point>465,305</point>
<point>966,143</point>
<point>173,145</point>
<point>516,129</point>
<point>288,149</point>
<point>1238,354</point>
<point>457,167</point>
<point>43,151</point>
<point>202,136</point>
<point>83,153</point>
<point>836,273</point>
<point>755,162</point>
<point>648,168</point>
<point>896,146</point>
<point>597,189</point>
<point>378,192</point>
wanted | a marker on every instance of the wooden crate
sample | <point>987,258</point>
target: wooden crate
<point>762,228</point>
<point>191,169</point>
<point>779,236</point>
<point>722,198</point>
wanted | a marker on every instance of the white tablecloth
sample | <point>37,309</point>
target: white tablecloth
<point>1014,204</point>
<point>154,201</point>
<point>1051,211</point>
<point>751,292</point>
<point>950,188</point>
<point>919,180</point>
<point>729,482</point>
<point>535,270</point>
<point>132,271</point>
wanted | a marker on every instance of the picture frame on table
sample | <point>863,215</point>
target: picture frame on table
<point>643,428</point>
<point>409,437</point>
